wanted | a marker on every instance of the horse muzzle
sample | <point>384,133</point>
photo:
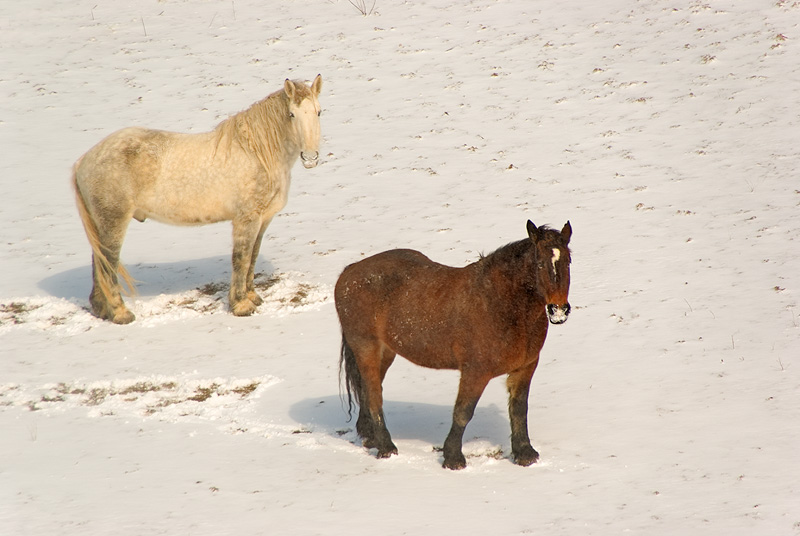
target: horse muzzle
<point>310,160</point>
<point>557,314</point>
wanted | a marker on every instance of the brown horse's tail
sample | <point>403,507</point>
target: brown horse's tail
<point>352,376</point>
<point>104,271</point>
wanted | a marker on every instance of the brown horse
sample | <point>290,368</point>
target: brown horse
<point>485,319</point>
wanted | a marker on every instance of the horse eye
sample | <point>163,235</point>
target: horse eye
<point>319,113</point>
<point>291,114</point>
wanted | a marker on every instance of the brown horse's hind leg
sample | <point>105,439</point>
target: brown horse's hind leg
<point>470,389</point>
<point>519,384</point>
<point>387,358</point>
<point>371,424</point>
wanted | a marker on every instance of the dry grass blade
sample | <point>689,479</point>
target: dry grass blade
<point>361,6</point>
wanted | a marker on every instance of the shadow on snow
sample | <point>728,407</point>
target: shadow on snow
<point>406,420</point>
<point>152,279</point>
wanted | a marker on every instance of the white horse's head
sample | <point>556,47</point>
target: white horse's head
<point>304,112</point>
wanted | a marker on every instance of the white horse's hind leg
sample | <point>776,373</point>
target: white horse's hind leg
<point>105,298</point>
<point>245,234</point>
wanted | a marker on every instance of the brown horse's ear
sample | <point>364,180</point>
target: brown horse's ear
<point>566,232</point>
<point>288,87</point>
<point>533,232</point>
<point>316,86</point>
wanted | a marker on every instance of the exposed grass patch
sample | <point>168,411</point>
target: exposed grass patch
<point>246,390</point>
<point>495,453</point>
<point>204,393</point>
<point>15,311</point>
<point>264,281</point>
<point>210,289</point>
<point>301,295</point>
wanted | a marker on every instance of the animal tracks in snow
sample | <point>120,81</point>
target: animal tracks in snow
<point>282,293</point>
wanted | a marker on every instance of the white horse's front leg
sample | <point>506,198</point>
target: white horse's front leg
<point>251,288</point>
<point>245,235</point>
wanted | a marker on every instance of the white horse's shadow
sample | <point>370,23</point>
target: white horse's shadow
<point>153,279</point>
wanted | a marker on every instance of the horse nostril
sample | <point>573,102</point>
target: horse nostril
<point>557,314</point>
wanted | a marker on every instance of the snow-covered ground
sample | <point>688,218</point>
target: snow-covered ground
<point>666,132</point>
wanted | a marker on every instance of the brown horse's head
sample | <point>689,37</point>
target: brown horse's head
<point>552,268</point>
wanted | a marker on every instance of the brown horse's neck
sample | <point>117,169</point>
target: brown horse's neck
<point>511,269</point>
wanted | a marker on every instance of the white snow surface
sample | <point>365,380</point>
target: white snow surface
<point>666,132</point>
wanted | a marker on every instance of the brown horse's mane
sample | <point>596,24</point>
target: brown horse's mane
<point>512,250</point>
<point>517,255</point>
<point>262,127</point>
<point>517,248</point>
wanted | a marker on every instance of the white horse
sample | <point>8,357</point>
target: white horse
<point>240,171</point>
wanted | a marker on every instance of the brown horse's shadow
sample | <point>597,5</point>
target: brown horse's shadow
<point>152,279</point>
<point>405,420</point>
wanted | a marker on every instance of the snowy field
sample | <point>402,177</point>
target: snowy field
<point>665,131</point>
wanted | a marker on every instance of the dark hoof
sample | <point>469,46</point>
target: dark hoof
<point>455,462</point>
<point>387,452</point>
<point>526,456</point>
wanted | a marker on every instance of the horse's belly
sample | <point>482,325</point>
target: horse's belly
<point>186,211</point>
<point>435,358</point>
<point>176,218</point>
<point>427,334</point>
<point>190,199</point>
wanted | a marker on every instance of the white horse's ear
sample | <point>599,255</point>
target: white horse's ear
<point>316,86</point>
<point>288,87</point>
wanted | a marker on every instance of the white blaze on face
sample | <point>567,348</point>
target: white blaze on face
<point>556,256</point>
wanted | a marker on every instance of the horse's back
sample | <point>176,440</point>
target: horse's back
<point>177,178</point>
<point>383,273</point>
<point>403,298</point>
<point>122,155</point>
<point>128,141</point>
<point>136,148</point>
<point>371,282</point>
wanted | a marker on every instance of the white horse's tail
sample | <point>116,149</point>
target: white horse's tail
<point>103,269</point>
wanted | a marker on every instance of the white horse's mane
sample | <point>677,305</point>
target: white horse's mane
<point>262,128</point>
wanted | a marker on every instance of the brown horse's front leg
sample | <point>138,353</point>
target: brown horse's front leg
<point>470,389</point>
<point>519,384</point>
<point>245,234</point>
